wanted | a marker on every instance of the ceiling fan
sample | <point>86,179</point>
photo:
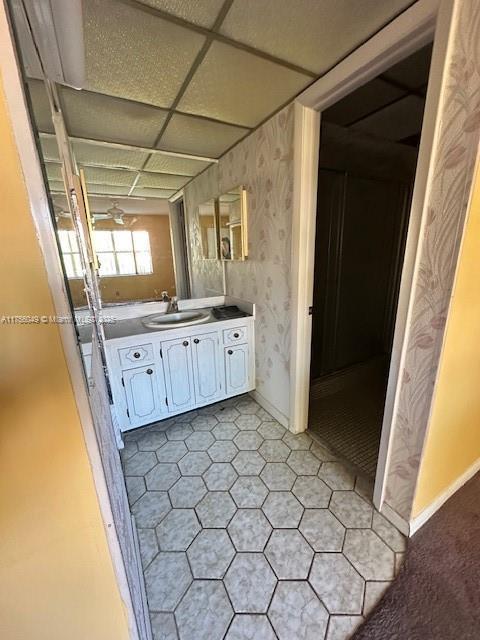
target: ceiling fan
<point>116,214</point>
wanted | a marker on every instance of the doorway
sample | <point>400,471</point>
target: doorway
<point>369,144</point>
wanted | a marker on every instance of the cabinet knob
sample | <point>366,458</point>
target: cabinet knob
<point>236,335</point>
<point>149,371</point>
<point>136,354</point>
<point>196,340</point>
<point>229,352</point>
<point>185,343</point>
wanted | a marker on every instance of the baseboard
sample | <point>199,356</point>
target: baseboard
<point>393,517</point>
<point>427,513</point>
<point>273,411</point>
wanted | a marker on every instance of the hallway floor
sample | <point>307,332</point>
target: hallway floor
<point>248,532</point>
<point>346,411</point>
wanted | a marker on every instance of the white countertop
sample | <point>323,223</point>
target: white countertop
<point>118,324</point>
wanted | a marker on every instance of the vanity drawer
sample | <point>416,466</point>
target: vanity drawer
<point>131,356</point>
<point>236,335</point>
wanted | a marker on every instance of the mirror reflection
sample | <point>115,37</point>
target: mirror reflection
<point>207,220</point>
<point>155,236</point>
<point>232,228</point>
<point>133,248</point>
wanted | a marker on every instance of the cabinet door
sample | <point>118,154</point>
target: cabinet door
<point>142,391</point>
<point>236,368</point>
<point>177,366</point>
<point>206,368</point>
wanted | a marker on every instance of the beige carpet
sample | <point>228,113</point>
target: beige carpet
<point>346,411</point>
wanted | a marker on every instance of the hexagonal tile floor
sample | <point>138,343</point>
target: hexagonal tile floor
<point>248,532</point>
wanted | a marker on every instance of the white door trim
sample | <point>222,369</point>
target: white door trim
<point>305,177</point>
<point>40,211</point>
<point>410,31</point>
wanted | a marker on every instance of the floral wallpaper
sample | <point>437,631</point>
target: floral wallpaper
<point>453,166</point>
<point>263,163</point>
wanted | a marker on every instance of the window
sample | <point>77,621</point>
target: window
<point>123,253</point>
<point>71,253</point>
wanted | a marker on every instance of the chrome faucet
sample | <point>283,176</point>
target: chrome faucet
<point>172,302</point>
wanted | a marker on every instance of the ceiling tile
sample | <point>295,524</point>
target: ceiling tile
<point>198,136</point>
<point>171,164</point>
<point>49,148</point>
<point>99,175</point>
<point>135,55</point>
<point>91,115</point>
<point>162,180</point>
<point>107,189</point>
<point>102,189</point>
<point>313,35</point>
<point>362,101</point>
<point>413,71</point>
<point>400,120</point>
<point>40,105</point>
<point>101,155</point>
<point>201,12</point>
<point>153,193</point>
<point>236,86</point>
<point>56,185</point>
<point>54,172</point>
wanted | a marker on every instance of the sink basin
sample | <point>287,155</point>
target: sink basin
<point>173,320</point>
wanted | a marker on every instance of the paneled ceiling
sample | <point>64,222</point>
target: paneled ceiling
<point>173,84</point>
<point>390,106</point>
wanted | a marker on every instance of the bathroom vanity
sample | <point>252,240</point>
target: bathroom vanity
<point>160,366</point>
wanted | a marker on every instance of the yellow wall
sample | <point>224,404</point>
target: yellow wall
<point>145,287</point>
<point>56,574</point>
<point>453,441</point>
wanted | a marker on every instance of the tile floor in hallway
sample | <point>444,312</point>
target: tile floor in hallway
<point>248,532</point>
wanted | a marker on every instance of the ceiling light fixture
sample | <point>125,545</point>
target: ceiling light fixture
<point>116,214</point>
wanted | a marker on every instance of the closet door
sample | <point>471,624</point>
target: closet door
<point>360,236</point>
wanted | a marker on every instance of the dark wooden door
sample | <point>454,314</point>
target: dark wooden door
<point>360,237</point>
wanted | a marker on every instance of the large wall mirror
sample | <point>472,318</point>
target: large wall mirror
<point>223,220</point>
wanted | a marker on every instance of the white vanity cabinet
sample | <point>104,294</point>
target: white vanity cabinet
<point>164,373</point>
<point>178,371</point>
<point>209,376</point>
<point>143,393</point>
<point>236,368</point>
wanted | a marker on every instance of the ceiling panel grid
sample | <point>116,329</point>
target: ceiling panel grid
<point>195,77</point>
<point>135,55</point>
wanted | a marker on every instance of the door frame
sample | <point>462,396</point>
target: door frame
<point>423,22</point>
<point>40,211</point>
